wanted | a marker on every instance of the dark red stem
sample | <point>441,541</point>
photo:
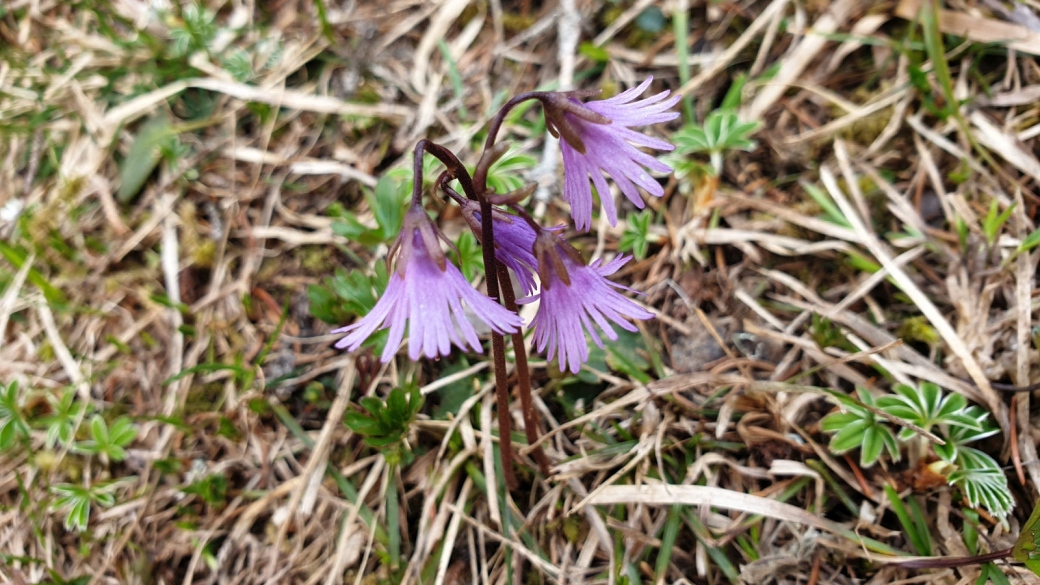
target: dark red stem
<point>456,169</point>
<point>475,188</point>
<point>480,173</point>
<point>950,562</point>
<point>498,346</point>
<point>523,377</point>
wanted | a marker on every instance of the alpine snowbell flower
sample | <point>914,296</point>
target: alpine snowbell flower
<point>426,292</point>
<point>573,296</point>
<point>597,140</point>
<point>514,242</point>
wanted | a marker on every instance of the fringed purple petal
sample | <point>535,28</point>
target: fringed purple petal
<point>566,313</point>
<point>430,302</point>
<point>610,149</point>
<point>627,95</point>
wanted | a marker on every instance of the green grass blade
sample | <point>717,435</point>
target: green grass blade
<point>668,537</point>
<point>921,541</point>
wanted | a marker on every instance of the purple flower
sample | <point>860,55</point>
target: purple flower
<point>514,242</point>
<point>425,291</point>
<point>594,148</point>
<point>573,296</point>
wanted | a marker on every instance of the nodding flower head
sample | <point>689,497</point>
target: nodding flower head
<point>597,140</point>
<point>574,296</point>
<point>514,241</point>
<point>425,292</point>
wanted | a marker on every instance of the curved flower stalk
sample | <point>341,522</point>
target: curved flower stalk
<point>425,292</point>
<point>598,141</point>
<point>574,296</point>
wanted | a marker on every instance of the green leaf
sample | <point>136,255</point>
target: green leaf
<point>348,226</point>
<point>144,156</point>
<point>826,334</point>
<point>75,501</point>
<point>62,418</point>
<point>970,530</point>
<point>13,425</point>
<point>98,429</point>
<point>836,421</point>
<point>356,292</point>
<point>1027,546</point>
<point>594,53</point>
<point>636,237</point>
<point>963,231</point>
<point>453,395</point>
<point>872,446</point>
<point>623,355</point>
<point>1033,566</point>
<point>850,437</point>
<point>387,424</point>
<point>388,205</point>
<point>982,481</point>
<point>376,441</point>
<point>1031,241</point>
<point>860,427</point>
<point>373,405</point>
<point>122,432</point>
<point>471,257</point>
<point>947,452</point>
<point>211,489</point>
<point>994,221</point>
<point>397,407</point>
<point>108,442</point>
<point>508,173</point>
<point>9,434</point>
<point>831,212</point>
<point>347,295</point>
<point>722,130</point>
<point>963,434</point>
<point>78,515</point>
<point>926,407</point>
<point>17,257</point>
<point>363,425</point>
<point>991,573</point>
<point>240,65</point>
<point>861,263</point>
<point>732,100</point>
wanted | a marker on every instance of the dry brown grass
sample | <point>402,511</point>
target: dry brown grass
<point>130,303</point>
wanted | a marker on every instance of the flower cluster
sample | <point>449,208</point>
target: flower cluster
<point>429,296</point>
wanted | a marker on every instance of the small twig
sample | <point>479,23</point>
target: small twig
<point>859,476</point>
<point>1012,388</point>
<point>1016,457</point>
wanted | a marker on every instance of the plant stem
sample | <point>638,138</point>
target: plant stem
<point>477,191</point>
<point>393,518</point>
<point>498,345</point>
<point>523,377</point>
<point>497,342</point>
<point>505,427</point>
<point>486,158</point>
<point>949,562</point>
<point>456,169</point>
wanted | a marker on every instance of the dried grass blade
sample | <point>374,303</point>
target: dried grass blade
<point>695,495</point>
